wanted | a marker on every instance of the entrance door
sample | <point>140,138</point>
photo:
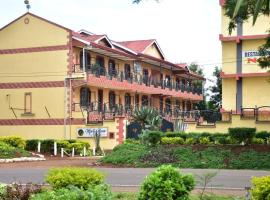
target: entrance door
<point>100,100</point>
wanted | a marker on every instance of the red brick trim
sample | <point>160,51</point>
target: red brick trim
<point>237,76</point>
<point>34,49</point>
<point>120,128</point>
<point>47,84</point>
<point>239,38</point>
<point>23,122</point>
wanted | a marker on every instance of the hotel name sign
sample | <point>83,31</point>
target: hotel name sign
<point>251,57</point>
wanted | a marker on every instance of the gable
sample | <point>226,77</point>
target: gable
<point>104,42</point>
<point>32,31</point>
<point>154,51</point>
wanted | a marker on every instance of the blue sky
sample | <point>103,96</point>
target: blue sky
<point>187,30</point>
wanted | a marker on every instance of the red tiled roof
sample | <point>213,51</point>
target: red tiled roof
<point>138,45</point>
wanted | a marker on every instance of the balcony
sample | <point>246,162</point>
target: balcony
<point>120,80</point>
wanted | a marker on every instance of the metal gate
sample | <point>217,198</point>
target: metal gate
<point>166,126</point>
<point>133,130</point>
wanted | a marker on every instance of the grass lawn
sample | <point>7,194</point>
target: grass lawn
<point>215,157</point>
<point>134,196</point>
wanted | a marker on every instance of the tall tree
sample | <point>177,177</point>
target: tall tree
<point>194,67</point>
<point>215,100</point>
<point>241,11</point>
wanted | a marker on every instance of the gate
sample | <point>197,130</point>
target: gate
<point>133,130</point>
<point>166,126</point>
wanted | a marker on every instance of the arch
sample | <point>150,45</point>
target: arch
<point>85,96</point>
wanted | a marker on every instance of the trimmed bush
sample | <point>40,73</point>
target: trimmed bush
<point>242,134</point>
<point>257,141</point>
<point>261,188</point>
<point>98,192</point>
<point>166,183</point>
<point>47,145</point>
<point>14,141</point>
<point>204,140</point>
<point>79,177</point>
<point>190,141</point>
<point>31,145</point>
<point>175,134</point>
<point>8,151</point>
<point>172,140</point>
<point>151,138</point>
<point>263,135</point>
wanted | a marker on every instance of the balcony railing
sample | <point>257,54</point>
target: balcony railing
<point>138,78</point>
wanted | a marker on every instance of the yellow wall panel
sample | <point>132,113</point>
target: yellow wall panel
<point>229,94</point>
<point>36,33</point>
<point>229,57</point>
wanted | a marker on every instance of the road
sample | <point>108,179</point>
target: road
<point>237,179</point>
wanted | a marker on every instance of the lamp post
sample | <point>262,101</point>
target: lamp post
<point>26,2</point>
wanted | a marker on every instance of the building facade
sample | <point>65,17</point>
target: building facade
<point>245,85</point>
<point>61,84</point>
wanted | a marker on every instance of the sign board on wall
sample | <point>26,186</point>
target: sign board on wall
<point>250,57</point>
<point>90,132</point>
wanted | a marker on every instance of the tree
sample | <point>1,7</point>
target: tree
<point>194,67</point>
<point>215,101</point>
<point>241,11</point>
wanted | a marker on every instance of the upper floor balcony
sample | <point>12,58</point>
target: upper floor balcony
<point>142,83</point>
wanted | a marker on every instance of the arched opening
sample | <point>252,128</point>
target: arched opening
<point>168,106</point>
<point>145,100</point>
<point>85,97</point>
<point>127,101</point>
<point>87,60</point>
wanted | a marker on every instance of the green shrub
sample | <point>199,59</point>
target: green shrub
<point>175,134</point>
<point>204,140</point>
<point>151,138</point>
<point>132,141</point>
<point>242,134</point>
<point>14,141</point>
<point>31,145</point>
<point>97,192</point>
<point>79,145</point>
<point>263,135</point>
<point>261,188</point>
<point>128,154</point>
<point>79,177</point>
<point>166,183</point>
<point>47,145</point>
<point>190,141</point>
<point>257,141</point>
<point>8,151</point>
<point>63,144</point>
<point>223,140</point>
<point>172,140</point>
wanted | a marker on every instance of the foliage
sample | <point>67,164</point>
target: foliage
<point>190,141</point>
<point>172,140</point>
<point>175,134</point>
<point>31,145</point>
<point>204,180</point>
<point>128,154</point>
<point>131,141</point>
<point>151,138</point>
<point>47,146</point>
<point>79,177</point>
<point>263,135</point>
<point>96,192</point>
<point>242,134</point>
<point>168,184</point>
<point>8,151</point>
<point>148,118</point>
<point>18,191</point>
<point>14,141</point>
<point>261,188</point>
<point>257,141</point>
<point>215,157</point>
<point>204,140</point>
<point>215,101</point>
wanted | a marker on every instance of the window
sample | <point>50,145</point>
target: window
<point>112,70</point>
<point>28,103</point>
<point>111,99</point>
<point>137,100</point>
<point>127,101</point>
<point>145,100</point>
<point>85,96</point>
<point>168,106</point>
<point>127,72</point>
<point>101,65</point>
<point>87,60</point>
<point>161,104</point>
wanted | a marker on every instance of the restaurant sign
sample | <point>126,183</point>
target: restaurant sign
<point>251,57</point>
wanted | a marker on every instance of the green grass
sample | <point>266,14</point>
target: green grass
<point>134,196</point>
<point>214,157</point>
<point>7,151</point>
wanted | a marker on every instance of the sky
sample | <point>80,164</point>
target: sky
<point>186,30</point>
